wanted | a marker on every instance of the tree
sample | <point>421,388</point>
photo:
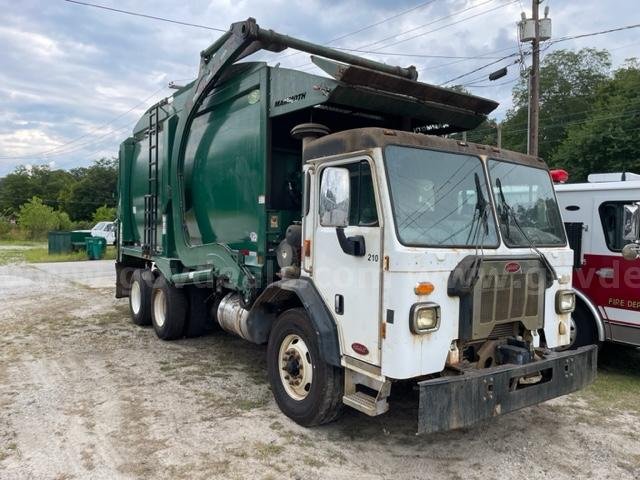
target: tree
<point>569,82</point>
<point>24,183</point>
<point>104,214</point>
<point>96,186</point>
<point>37,218</point>
<point>608,140</point>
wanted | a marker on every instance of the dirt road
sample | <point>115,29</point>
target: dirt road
<point>86,394</point>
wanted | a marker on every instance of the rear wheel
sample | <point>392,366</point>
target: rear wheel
<point>307,390</point>
<point>169,307</point>
<point>140,297</point>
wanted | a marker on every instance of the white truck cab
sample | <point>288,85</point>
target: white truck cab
<point>436,256</point>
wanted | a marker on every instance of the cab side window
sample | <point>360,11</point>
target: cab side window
<point>611,216</point>
<point>363,210</point>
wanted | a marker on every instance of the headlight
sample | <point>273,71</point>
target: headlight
<point>424,318</point>
<point>565,301</point>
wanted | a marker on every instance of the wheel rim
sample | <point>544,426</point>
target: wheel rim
<point>296,368</point>
<point>573,331</point>
<point>136,298</point>
<point>159,308</point>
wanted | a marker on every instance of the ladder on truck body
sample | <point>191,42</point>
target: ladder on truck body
<point>150,241</point>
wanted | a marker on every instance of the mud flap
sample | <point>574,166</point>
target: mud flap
<point>459,401</point>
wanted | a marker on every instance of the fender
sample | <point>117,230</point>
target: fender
<point>296,291</point>
<point>594,312</point>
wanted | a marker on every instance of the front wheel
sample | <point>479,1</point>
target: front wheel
<point>582,331</point>
<point>307,390</point>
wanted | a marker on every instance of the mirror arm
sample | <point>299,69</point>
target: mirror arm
<point>351,245</point>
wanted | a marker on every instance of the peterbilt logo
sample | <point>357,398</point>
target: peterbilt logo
<point>512,267</point>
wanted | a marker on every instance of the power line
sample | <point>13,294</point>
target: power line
<point>602,32</point>
<point>552,42</point>
<point>483,67</point>
<point>367,27</point>
<point>596,118</point>
<point>487,85</point>
<point>453,23</point>
<point>57,150</point>
<point>453,14</point>
<point>144,15</point>
<point>416,55</point>
<point>378,42</point>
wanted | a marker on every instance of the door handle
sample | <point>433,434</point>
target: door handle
<point>605,272</point>
<point>351,245</point>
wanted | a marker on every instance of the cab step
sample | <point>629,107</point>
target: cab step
<point>366,403</point>
<point>363,401</point>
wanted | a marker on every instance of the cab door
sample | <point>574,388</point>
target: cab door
<point>347,263</point>
<point>611,281</point>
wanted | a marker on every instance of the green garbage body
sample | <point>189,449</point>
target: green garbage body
<point>214,189</point>
<point>95,247</point>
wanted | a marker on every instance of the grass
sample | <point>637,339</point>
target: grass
<point>37,252</point>
<point>266,451</point>
<point>618,381</point>
<point>23,243</point>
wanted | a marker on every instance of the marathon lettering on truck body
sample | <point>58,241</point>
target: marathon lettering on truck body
<point>291,99</point>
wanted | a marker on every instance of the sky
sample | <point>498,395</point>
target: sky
<point>74,79</point>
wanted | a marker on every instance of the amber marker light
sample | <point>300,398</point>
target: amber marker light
<point>424,288</point>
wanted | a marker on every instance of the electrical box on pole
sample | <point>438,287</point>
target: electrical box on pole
<point>534,30</point>
<point>527,27</point>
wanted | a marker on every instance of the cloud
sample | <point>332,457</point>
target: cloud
<point>69,73</point>
<point>20,142</point>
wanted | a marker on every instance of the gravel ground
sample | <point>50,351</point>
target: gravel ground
<point>86,394</point>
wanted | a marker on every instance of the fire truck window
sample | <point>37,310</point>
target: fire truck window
<point>611,215</point>
<point>363,201</point>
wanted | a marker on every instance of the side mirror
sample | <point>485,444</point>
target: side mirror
<point>335,197</point>
<point>631,251</point>
<point>631,222</point>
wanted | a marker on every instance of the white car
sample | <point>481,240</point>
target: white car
<point>106,230</point>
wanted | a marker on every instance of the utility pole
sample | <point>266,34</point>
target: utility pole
<point>499,134</point>
<point>534,82</point>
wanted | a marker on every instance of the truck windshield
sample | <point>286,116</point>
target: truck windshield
<point>526,206</point>
<point>439,198</point>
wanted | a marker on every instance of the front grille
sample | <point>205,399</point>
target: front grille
<point>504,297</point>
<point>508,329</point>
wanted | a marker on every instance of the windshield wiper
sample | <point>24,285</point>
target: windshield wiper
<point>510,213</point>
<point>480,215</point>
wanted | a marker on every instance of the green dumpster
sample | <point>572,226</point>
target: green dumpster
<point>96,246</point>
<point>59,242</point>
<point>78,238</point>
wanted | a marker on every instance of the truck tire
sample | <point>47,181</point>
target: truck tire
<point>307,390</point>
<point>140,296</point>
<point>583,328</point>
<point>169,307</point>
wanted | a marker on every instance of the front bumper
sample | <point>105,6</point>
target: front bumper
<point>458,401</point>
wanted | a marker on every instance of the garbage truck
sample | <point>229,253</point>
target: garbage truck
<point>330,218</point>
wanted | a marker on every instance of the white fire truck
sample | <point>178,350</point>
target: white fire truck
<point>602,222</point>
